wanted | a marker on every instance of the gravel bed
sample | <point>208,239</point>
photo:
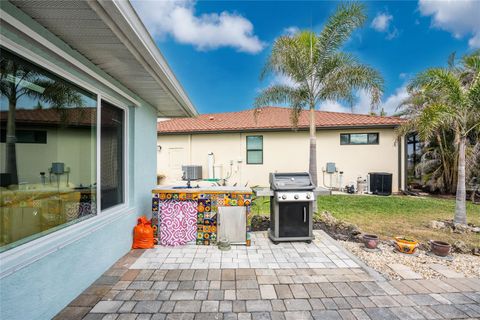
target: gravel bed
<point>467,264</point>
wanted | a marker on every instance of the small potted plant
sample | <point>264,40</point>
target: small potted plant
<point>370,241</point>
<point>406,245</point>
<point>440,248</point>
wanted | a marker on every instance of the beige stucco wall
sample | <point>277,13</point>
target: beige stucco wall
<point>286,151</point>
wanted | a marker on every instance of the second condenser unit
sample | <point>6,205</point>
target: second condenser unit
<point>380,183</point>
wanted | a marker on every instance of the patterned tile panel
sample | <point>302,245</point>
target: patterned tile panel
<point>206,212</point>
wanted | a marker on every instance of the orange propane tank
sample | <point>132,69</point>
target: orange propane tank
<point>143,234</point>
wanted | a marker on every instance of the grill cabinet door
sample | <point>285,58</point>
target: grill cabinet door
<point>293,219</point>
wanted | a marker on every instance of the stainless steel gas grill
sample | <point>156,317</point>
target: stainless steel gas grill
<point>291,207</point>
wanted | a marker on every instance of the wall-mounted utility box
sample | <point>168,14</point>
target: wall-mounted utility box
<point>331,168</point>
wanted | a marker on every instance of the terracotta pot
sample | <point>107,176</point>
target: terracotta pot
<point>440,248</point>
<point>370,241</point>
<point>405,245</point>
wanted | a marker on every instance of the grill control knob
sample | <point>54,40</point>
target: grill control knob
<point>296,196</point>
<point>308,195</point>
<point>284,197</point>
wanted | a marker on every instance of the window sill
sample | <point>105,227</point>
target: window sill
<point>30,252</point>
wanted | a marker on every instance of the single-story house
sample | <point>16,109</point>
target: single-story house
<point>244,147</point>
<point>82,86</point>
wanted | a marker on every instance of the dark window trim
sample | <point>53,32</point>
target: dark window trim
<point>261,150</point>
<point>114,196</point>
<point>39,136</point>
<point>359,144</point>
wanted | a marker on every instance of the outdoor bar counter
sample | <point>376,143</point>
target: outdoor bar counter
<point>201,215</point>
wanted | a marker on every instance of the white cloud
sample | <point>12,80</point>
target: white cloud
<point>333,106</point>
<point>474,42</point>
<point>291,30</point>
<point>204,32</point>
<point>381,22</point>
<point>461,17</point>
<point>393,101</point>
<point>283,80</point>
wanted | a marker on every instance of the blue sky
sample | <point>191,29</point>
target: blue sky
<point>217,48</point>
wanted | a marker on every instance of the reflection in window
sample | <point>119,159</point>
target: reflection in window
<point>358,138</point>
<point>254,149</point>
<point>47,152</point>
<point>111,166</point>
<point>414,155</point>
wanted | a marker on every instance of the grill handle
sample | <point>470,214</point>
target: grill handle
<point>304,214</point>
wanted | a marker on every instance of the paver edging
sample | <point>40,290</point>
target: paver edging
<point>373,273</point>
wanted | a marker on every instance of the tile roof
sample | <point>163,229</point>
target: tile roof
<point>270,118</point>
<point>77,117</point>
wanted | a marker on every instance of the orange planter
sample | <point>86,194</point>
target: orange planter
<point>404,245</point>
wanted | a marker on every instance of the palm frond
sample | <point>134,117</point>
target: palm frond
<point>472,61</point>
<point>353,76</point>
<point>452,60</point>
<point>441,81</point>
<point>290,57</point>
<point>340,26</point>
<point>432,118</point>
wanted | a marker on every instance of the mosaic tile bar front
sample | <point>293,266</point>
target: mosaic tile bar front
<point>172,215</point>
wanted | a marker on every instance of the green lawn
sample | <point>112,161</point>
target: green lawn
<point>393,215</point>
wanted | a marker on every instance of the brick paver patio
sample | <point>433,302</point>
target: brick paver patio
<point>321,253</point>
<point>296,293</point>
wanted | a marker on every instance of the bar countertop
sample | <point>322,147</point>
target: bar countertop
<point>206,189</point>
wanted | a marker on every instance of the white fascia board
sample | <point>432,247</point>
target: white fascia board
<point>133,30</point>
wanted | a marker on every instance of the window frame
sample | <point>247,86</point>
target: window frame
<point>26,253</point>
<point>123,204</point>
<point>247,149</point>
<point>359,144</point>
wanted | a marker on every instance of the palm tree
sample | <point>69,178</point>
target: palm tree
<point>438,163</point>
<point>319,70</point>
<point>18,79</point>
<point>443,99</point>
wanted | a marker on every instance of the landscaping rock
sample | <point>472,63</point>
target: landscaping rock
<point>449,225</point>
<point>260,223</point>
<point>437,225</point>
<point>466,264</point>
<point>337,229</point>
<point>460,247</point>
<point>461,228</point>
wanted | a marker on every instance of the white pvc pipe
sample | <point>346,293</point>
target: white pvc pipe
<point>211,163</point>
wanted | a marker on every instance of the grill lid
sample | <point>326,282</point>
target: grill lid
<point>291,181</point>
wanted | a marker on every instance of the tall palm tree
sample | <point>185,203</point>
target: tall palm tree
<point>18,79</point>
<point>319,70</point>
<point>449,99</point>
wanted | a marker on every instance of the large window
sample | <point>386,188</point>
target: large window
<point>111,162</point>
<point>47,152</point>
<point>358,138</point>
<point>414,155</point>
<point>254,149</point>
